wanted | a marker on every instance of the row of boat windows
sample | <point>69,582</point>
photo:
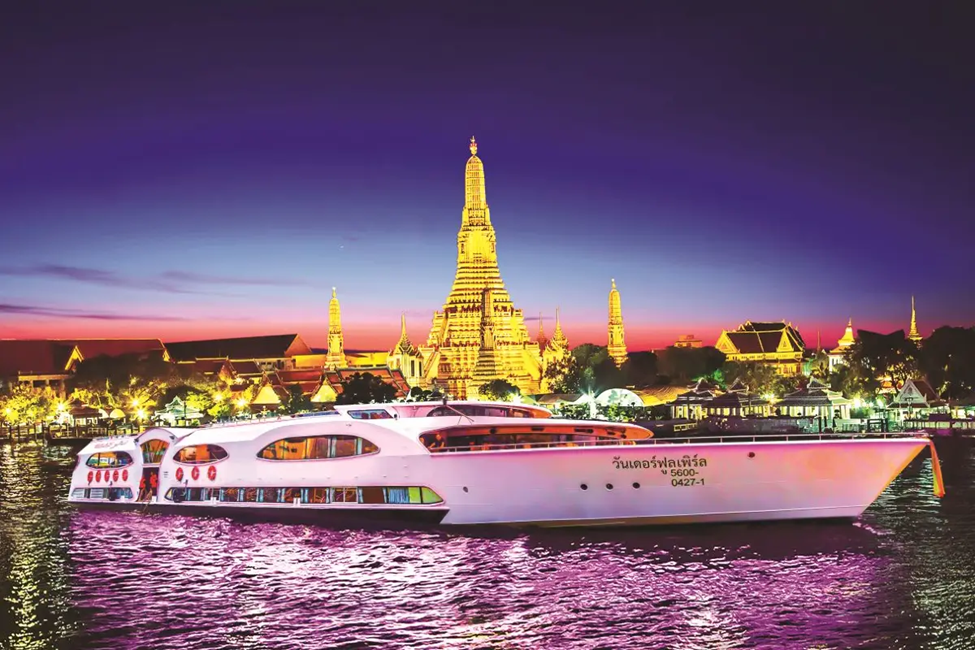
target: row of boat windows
<point>102,493</point>
<point>368,495</point>
<point>310,448</point>
<point>441,440</point>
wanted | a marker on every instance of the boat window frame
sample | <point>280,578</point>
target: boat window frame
<point>162,457</point>
<point>332,447</point>
<point>107,453</point>
<point>369,414</point>
<point>199,464</point>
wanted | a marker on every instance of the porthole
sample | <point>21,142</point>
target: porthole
<point>609,486</point>
<point>751,454</point>
<point>465,489</point>
<point>636,486</point>
<point>584,486</point>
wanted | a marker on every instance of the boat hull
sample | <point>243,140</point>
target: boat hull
<point>673,483</point>
<point>629,485</point>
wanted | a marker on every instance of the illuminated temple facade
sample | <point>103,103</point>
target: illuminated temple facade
<point>479,335</point>
<point>778,345</point>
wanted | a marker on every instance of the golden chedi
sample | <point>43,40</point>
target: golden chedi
<point>479,313</point>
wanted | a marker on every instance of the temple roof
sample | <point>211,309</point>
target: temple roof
<point>275,346</point>
<point>815,393</point>
<point>38,357</point>
<point>763,338</point>
<point>736,399</point>
<point>90,348</point>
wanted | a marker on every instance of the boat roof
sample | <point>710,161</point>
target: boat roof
<point>410,422</point>
<point>410,427</point>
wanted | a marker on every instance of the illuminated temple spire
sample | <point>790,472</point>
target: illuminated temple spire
<point>541,339</point>
<point>847,339</point>
<point>914,335</point>
<point>559,339</point>
<point>616,346</point>
<point>456,336</point>
<point>403,345</point>
<point>336,343</point>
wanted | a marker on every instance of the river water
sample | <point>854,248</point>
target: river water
<point>902,577</point>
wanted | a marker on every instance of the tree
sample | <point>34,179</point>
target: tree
<point>418,394</point>
<point>24,404</point>
<point>760,378</point>
<point>297,401</point>
<point>499,389</point>
<point>885,355</point>
<point>640,369</point>
<point>853,379</point>
<point>590,371</point>
<point>564,375</point>
<point>681,366</point>
<point>818,366</point>
<point>126,381</point>
<point>947,359</point>
<point>363,388</point>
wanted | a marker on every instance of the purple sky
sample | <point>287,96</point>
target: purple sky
<point>206,169</point>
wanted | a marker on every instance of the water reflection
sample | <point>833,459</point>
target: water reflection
<point>902,578</point>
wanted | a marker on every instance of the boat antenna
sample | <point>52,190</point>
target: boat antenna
<point>460,413</point>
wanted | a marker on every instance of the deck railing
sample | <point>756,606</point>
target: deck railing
<point>726,439</point>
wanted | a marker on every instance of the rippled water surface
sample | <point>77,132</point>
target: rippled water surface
<point>903,577</point>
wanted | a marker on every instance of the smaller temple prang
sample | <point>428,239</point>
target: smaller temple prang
<point>616,345</point>
<point>336,342</point>
<point>914,335</point>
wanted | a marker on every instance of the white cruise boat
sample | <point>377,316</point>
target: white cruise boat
<point>484,463</point>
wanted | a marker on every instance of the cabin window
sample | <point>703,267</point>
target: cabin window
<point>78,493</point>
<point>200,454</point>
<point>230,494</point>
<point>109,459</point>
<point>290,494</point>
<point>370,414</point>
<point>372,495</point>
<point>317,495</point>
<point>317,448</point>
<point>345,495</point>
<point>153,451</point>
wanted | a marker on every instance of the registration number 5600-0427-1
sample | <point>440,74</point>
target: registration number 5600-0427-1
<point>686,482</point>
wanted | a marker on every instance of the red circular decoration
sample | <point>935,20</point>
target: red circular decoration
<point>98,476</point>
<point>91,475</point>
<point>212,473</point>
<point>179,473</point>
<point>125,475</point>
<point>115,475</point>
<point>195,473</point>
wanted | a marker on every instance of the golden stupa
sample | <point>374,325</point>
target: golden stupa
<point>479,335</point>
